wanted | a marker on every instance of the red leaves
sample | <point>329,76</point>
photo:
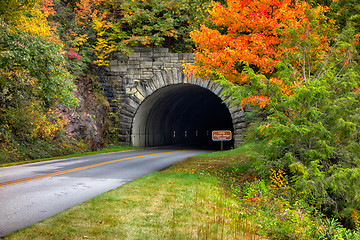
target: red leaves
<point>73,55</point>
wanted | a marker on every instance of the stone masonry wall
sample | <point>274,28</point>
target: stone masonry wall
<point>131,78</point>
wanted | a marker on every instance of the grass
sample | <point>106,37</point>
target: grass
<point>112,148</point>
<point>210,196</point>
<point>164,205</point>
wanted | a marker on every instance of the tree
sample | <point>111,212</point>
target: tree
<point>156,23</point>
<point>12,9</point>
<point>304,77</point>
<point>257,34</point>
<point>33,79</point>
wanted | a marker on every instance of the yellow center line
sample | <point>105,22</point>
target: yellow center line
<point>78,169</point>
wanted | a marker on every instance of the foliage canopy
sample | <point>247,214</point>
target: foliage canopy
<point>289,60</point>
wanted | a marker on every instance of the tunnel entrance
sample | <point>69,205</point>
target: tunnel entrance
<point>181,114</point>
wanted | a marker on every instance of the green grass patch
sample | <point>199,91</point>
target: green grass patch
<point>112,148</point>
<point>164,205</point>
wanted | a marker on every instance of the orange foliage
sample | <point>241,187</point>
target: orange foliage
<point>47,7</point>
<point>259,101</point>
<point>259,34</point>
<point>88,10</point>
<point>251,36</point>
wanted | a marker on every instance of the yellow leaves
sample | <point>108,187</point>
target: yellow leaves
<point>278,179</point>
<point>35,22</point>
<point>44,124</point>
<point>355,219</point>
<point>102,47</point>
<point>98,26</point>
<point>80,40</point>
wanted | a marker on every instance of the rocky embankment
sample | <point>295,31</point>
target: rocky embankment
<point>89,120</point>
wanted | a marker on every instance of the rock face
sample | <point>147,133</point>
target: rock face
<point>88,120</point>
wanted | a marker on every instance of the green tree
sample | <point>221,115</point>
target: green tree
<point>157,23</point>
<point>11,9</point>
<point>33,79</point>
<point>310,100</point>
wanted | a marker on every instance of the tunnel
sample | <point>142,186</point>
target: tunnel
<point>181,114</point>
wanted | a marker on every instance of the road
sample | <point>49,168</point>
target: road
<point>33,192</point>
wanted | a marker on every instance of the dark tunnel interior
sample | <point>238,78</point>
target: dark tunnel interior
<point>181,114</point>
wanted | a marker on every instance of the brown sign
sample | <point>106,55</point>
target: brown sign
<point>221,135</point>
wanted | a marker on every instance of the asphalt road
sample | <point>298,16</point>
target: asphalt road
<point>33,192</point>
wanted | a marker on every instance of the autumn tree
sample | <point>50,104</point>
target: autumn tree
<point>103,26</point>
<point>33,79</point>
<point>287,59</point>
<point>157,23</point>
<point>254,34</point>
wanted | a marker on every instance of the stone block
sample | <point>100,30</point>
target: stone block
<point>113,62</point>
<point>175,76</point>
<point>134,63</point>
<point>173,55</point>
<point>146,77</point>
<point>163,80</point>
<point>158,79</point>
<point>168,65</point>
<point>132,103</point>
<point>145,59</point>
<point>178,65</point>
<point>124,118</point>
<point>218,90</point>
<point>123,131</point>
<point>135,99</point>
<point>149,88</point>
<point>123,138</point>
<point>127,110</point>
<point>135,76</point>
<point>161,50</point>
<point>140,88</point>
<point>157,63</point>
<point>134,55</point>
<point>180,76</point>
<point>174,59</point>
<point>146,54</point>
<point>146,65</point>
<point>122,58</point>
<point>134,71</point>
<point>206,84</point>
<point>238,114</point>
<point>119,68</point>
<point>241,125</point>
<point>139,96</point>
<point>167,75</point>
<point>158,56</point>
<point>165,59</point>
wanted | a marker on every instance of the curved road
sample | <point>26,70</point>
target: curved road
<point>33,192</point>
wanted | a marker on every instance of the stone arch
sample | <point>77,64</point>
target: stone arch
<point>132,80</point>
<point>171,89</point>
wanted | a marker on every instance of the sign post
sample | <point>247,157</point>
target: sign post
<point>221,135</point>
